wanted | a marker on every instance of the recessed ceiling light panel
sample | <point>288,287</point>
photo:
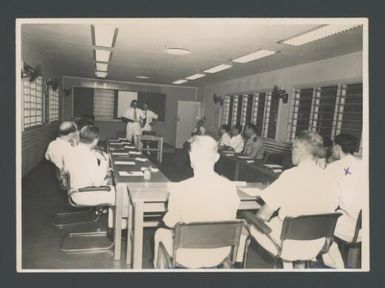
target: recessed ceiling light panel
<point>101,66</point>
<point>254,56</point>
<point>101,74</point>
<point>218,68</point>
<point>102,55</point>
<point>142,77</point>
<point>104,35</point>
<point>181,81</point>
<point>195,76</point>
<point>178,51</point>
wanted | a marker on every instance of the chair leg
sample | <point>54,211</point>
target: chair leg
<point>70,219</point>
<point>86,242</point>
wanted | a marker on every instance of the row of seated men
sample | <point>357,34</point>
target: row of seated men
<point>302,190</point>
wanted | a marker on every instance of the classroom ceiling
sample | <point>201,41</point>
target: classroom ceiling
<point>140,47</point>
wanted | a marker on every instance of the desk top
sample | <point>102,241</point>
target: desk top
<point>120,151</point>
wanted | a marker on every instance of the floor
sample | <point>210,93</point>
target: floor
<point>41,240</point>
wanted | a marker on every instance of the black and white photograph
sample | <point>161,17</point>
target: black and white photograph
<point>192,145</point>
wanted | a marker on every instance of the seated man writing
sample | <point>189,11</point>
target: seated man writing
<point>254,145</point>
<point>205,197</point>
<point>301,190</point>
<point>225,138</point>
<point>236,142</point>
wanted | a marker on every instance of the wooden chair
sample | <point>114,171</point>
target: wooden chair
<point>300,228</point>
<point>203,236</point>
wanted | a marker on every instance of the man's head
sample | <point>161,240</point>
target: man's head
<point>89,135</point>
<point>224,129</point>
<point>251,130</point>
<point>67,130</point>
<point>344,144</point>
<point>236,130</point>
<point>307,145</point>
<point>134,103</point>
<point>145,106</point>
<point>203,153</point>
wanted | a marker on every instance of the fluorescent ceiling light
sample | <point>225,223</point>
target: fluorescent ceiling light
<point>178,51</point>
<point>142,77</point>
<point>104,35</point>
<point>254,56</point>
<point>101,66</point>
<point>317,34</point>
<point>195,76</point>
<point>102,55</point>
<point>101,74</point>
<point>218,68</point>
<point>181,81</point>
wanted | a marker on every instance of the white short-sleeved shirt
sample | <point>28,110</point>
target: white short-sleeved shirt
<point>130,114</point>
<point>224,140</point>
<point>56,151</point>
<point>237,143</point>
<point>149,116</point>
<point>86,167</point>
<point>208,200</point>
<point>347,174</point>
<point>254,147</point>
<point>301,190</point>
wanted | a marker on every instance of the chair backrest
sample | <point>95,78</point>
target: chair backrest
<point>309,227</point>
<point>208,235</point>
<point>358,227</point>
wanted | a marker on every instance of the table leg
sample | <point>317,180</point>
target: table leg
<point>138,235</point>
<point>129,234</point>
<point>120,189</point>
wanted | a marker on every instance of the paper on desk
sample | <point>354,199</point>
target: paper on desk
<point>252,191</point>
<point>124,162</point>
<point>152,169</point>
<point>129,147</point>
<point>141,159</point>
<point>135,152</point>
<point>249,161</point>
<point>273,166</point>
<point>132,173</point>
<point>244,157</point>
<point>277,170</point>
<point>119,153</point>
<point>239,183</point>
<point>229,154</point>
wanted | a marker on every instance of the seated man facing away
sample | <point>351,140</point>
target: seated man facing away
<point>237,143</point>
<point>301,190</point>
<point>62,146</point>
<point>205,197</point>
<point>254,145</point>
<point>225,138</point>
<point>89,167</point>
<point>347,174</point>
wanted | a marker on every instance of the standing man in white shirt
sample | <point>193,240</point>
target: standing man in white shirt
<point>149,118</point>
<point>205,197</point>
<point>347,174</point>
<point>301,190</point>
<point>225,138</point>
<point>237,143</point>
<point>134,117</point>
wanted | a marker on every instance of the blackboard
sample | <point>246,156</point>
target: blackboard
<point>83,101</point>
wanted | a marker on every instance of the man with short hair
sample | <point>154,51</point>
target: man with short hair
<point>225,138</point>
<point>236,142</point>
<point>205,197</point>
<point>254,145</point>
<point>62,145</point>
<point>347,173</point>
<point>134,117</point>
<point>301,190</point>
<point>149,118</point>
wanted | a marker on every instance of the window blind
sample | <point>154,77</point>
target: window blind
<point>33,101</point>
<point>53,103</point>
<point>103,104</point>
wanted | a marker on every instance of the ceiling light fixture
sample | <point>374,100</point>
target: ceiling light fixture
<point>318,34</point>
<point>178,51</point>
<point>101,74</point>
<point>142,77</point>
<point>104,35</point>
<point>218,68</point>
<point>181,81</point>
<point>102,55</point>
<point>254,56</point>
<point>195,76</point>
<point>101,66</point>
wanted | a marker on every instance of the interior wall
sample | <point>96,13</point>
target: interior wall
<point>346,68</point>
<point>109,129</point>
<point>35,140</point>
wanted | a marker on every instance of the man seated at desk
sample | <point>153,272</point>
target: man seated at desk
<point>225,138</point>
<point>89,167</point>
<point>301,190</point>
<point>205,197</point>
<point>347,173</point>
<point>236,142</point>
<point>254,145</point>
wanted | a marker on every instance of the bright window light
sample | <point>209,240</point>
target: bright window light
<point>101,66</point>
<point>317,34</point>
<point>101,74</point>
<point>142,77</point>
<point>254,56</point>
<point>195,76</point>
<point>218,68</point>
<point>104,35</point>
<point>102,55</point>
<point>181,81</point>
